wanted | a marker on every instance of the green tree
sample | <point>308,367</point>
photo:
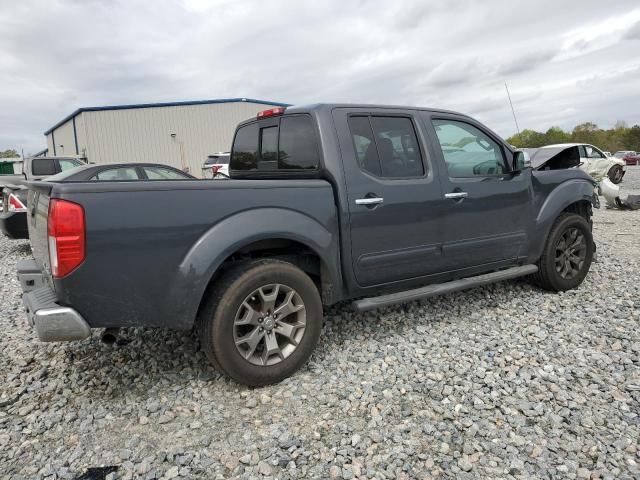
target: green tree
<point>527,139</point>
<point>620,137</point>
<point>631,138</point>
<point>556,135</point>
<point>9,154</point>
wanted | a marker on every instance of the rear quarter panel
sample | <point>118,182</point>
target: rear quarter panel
<point>152,248</point>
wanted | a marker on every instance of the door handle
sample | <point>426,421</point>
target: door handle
<point>369,201</point>
<point>456,195</point>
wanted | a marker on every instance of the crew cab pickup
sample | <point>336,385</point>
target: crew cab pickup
<point>374,204</point>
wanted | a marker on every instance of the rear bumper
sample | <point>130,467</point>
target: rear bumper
<point>51,321</point>
<point>14,224</point>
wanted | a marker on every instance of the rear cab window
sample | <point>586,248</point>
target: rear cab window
<point>284,145</point>
<point>43,167</point>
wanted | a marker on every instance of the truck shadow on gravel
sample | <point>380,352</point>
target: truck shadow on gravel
<point>145,358</point>
<point>19,248</point>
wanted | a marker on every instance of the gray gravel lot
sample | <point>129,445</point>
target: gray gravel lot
<point>503,381</point>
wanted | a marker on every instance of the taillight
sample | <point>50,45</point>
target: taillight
<point>15,205</point>
<point>216,168</point>
<point>66,232</point>
<point>272,112</point>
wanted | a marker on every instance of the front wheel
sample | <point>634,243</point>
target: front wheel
<point>615,174</point>
<point>262,322</point>
<point>567,254</point>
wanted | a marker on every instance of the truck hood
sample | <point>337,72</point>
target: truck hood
<point>553,158</point>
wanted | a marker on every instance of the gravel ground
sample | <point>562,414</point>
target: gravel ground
<point>503,381</point>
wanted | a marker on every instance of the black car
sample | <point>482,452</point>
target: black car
<point>13,217</point>
<point>120,172</point>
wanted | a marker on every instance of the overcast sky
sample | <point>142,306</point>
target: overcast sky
<point>566,62</point>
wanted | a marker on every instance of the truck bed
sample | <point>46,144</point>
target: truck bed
<point>151,246</point>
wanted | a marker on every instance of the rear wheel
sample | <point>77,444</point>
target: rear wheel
<point>615,174</point>
<point>567,254</point>
<point>262,322</point>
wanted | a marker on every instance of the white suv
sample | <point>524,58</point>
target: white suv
<point>596,163</point>
<point>216,166</point>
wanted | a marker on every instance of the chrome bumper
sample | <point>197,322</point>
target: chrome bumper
<point>52,322</point>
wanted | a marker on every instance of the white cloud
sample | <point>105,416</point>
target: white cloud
<point>598,35</point>
<point>63,54</point>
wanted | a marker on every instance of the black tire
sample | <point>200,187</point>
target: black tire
<point>218,328</point>
<point>549,276</point>
<point>615,174</point>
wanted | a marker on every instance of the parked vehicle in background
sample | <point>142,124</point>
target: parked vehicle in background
<point>13,194</point>
<point>13,217</point>
<point>376,204</point>
<point>119,172</point>
<point>629,157</point>
<point>13,212</point>
<point>10,173</point>
<point>595,162</point>
<point>11,166</point>
<point>216,166</point>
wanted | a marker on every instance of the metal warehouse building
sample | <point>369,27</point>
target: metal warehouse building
<point>180,134</point>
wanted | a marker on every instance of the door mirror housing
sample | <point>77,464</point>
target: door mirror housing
<point>521,161</point>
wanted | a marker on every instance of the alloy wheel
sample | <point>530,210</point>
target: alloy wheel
<point>571,251</point>
<point>269,324</point>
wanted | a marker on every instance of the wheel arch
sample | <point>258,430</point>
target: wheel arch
<point>259,233</point>
<point>574,196</point>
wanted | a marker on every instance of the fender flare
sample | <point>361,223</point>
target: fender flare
<point>237,231</point>
<point>557,201</point>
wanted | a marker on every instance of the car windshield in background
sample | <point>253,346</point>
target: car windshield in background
<point>161,173</point>
<point>68,163</point>
<point>66,174</point>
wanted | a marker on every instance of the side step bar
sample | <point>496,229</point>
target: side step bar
<point>365,304</point>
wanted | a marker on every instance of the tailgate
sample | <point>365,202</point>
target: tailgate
<point>37,212</point>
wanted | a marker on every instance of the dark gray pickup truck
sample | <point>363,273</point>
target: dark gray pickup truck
<point>375,204</point>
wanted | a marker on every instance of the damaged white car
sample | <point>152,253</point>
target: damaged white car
<point>589,158</point>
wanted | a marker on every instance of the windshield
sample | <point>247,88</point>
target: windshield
<point>65,174</point>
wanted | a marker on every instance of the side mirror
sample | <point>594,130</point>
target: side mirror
<point>521,161</point>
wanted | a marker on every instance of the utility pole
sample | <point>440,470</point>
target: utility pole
<point>512,109</point>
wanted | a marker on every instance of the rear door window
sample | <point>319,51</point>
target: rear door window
<point>288,143</point>
<point>386,146</point>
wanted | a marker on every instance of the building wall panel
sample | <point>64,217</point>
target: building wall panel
<point>144,134</point>
<point>65,142</point>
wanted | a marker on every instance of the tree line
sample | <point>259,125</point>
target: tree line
<point>620,137</point>
<point>9,154</point>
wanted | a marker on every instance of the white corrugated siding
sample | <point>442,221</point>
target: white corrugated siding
<point>144,134</point>
<point>65,142</point>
